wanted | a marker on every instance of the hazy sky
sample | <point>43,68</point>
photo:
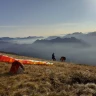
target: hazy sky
<point>46,17</point>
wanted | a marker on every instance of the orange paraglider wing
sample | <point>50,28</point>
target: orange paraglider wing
<point>4,58</point>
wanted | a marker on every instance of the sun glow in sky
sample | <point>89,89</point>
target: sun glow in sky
<point>20,18</point>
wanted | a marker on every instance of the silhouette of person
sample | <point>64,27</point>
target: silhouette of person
<point>62,58</point>
<point>53,57</point>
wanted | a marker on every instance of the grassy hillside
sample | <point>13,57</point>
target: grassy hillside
<point>61,79</point>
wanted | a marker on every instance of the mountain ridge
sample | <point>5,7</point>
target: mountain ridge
<point>60,40</point>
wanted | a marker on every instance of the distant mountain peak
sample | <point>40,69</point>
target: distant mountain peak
<point>60,40</point>
<point>51,37</point>
<point>92,33</point>
<point>29,37</point>
<point>77,33</point>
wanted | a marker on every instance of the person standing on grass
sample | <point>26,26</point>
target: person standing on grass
<point>16,68</point>
<point>53,57</point>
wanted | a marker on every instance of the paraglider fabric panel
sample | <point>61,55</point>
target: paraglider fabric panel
<point>4,58</point>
